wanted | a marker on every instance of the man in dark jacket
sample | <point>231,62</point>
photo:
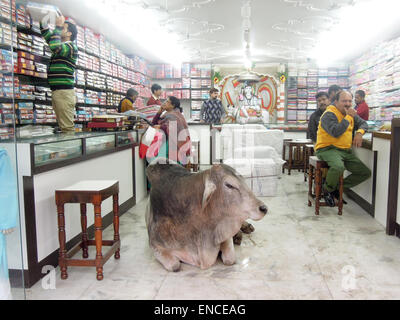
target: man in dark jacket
<point>212,111</point>
<point>322,101</point>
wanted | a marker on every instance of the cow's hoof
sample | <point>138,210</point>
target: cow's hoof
<point>237,238</point>
<point>176,267</point>
<point>247,228</point>
<point>228,262</point>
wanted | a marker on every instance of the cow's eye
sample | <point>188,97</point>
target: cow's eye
<point>229,186</point>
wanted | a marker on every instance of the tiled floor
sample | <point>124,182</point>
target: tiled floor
<point>293,254</point>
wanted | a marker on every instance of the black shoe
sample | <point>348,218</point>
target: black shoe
<point>336,195</point>
<point>329,198</point>
<point>57,130</point>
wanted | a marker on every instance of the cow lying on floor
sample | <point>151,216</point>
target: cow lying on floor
<point>191,217</point>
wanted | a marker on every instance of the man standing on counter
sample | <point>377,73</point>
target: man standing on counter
<point>334,142</point>
<point>61,70</point>
<point>212,110</point>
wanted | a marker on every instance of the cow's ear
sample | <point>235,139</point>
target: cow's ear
<point>209,188</point>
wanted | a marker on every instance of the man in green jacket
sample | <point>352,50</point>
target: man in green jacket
<point>61,71</point>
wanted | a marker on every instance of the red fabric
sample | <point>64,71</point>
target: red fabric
<point>143,150</point>
<point>153,101</point>
<point>363,110</point>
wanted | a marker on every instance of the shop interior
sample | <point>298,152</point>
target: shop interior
<point>78,218</point>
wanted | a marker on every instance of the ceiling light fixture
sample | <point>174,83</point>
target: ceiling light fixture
<point>246,25</point>
<point>166,9</point>
<point>200,26</point>
<point>307,26</point>
<point>333,5</point>
<point>206,49</point>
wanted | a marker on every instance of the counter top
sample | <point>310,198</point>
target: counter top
<point>369,138</point>
<point>66,137</point>
<point>382,134</point>
<point>269,126</point>
<point>197,124</point>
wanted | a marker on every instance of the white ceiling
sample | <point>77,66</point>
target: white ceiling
<point>281,30</point>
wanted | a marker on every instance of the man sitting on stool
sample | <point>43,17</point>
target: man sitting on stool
<point>334,140</point>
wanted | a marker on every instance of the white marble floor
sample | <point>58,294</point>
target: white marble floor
<point>293,254</point>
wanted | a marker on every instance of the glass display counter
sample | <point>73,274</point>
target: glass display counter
<point>97,144</point>
<point>129,137</point>
<point>57,150</point>
<point>51,162</point>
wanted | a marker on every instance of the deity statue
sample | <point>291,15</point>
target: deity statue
<point>249,98</point>
<point>249,105</point>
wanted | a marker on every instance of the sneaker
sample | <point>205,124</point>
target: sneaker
<point>329,198</point>
<point>336,195</point>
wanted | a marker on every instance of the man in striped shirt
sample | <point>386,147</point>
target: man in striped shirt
<point>61,70</point>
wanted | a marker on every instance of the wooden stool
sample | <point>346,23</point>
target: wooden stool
<point>317,164</point>
<point>308,151</point>
<point>84,192</point>
<point>296,159</point>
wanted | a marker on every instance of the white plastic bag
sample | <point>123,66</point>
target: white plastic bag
<point>44,13</point>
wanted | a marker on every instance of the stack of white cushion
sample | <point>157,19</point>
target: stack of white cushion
<point>256,153</point>
<point>259,174</point>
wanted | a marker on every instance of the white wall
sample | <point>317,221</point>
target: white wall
<point>364,189</point>
<point>382,178</point>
